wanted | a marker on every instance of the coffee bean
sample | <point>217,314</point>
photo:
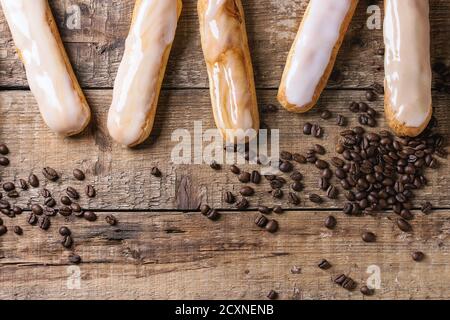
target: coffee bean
<point>23,184</point>
<point>418,256</point>
<point>18,230</point>
<point>4,149</point>
<point>66,200</point>
<point>78,174</point>
<point>349,284</point>
<point>72,193</point>
<point>261,221</point>
<point>406,214</point>
<point>272,226</point>
<point>321,164</point>
<point>156,172</point>
<point>50,174</point>
<point>325,115</point>
<point>264,210</point>
<point>32,219</point>
<point>242,204</point>
<point>64,231</point>
<point>17,210</point>
<point>111,220</point>
<point>348,208</point>
<point>74,259</point>
<point>278,210</point>
<point>50,202</point>
<point>332,192</point>
<point>76,210</point>
<point>213,215</point>
<point>215,166</point>
<point>272,295</point>
<point>315,198</point>
<point>229,198</point>
<point>44,223</point>
<point>234,169</point>
<point>372,113</point>
<point>324,265</point>
<point>323,184</point>
<point>205,209</point>
<point>354,107</point>
<point>319,149</point>
<point>3,230</point>
<point>277,193</point>
<point>299,158</point>
<point>337,162</point>
<point>294,199</point>
<point>4,161</point>
<point>316,131</point>
<point>65,211</point>
<point>255,177</point>
<point>370,95</point>
<point>9,186</point>
<point>286,166</point>
<point>46,193</point>
<point>340,279</point>
<point>340,120</point>
<point>427,208</point>
<point>90,216</point>
<point>369,237</point>
<point>297,186</point>
<point>307,128</point>
<point>13,194</point>
<point>340,173</point>
<point>330,222</point>
<point>33,180</point>
<point>327,174</point>
<point>404,225</point>
<point>247,191</point>
<point>244,177</point>
<point>285,155</point>
<point>296,176</point>
<point>50,212</point>
<point>67,242</point>
<point>365,290</point>
<point>90,191</point>
<point>37,209</point>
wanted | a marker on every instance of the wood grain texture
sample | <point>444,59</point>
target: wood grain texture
<point>185,256</point>
<point>122,176</point>
<point>96,49</point>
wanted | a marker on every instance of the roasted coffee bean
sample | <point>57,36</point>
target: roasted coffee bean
<point>365,290</point>
<point>23,184</point>
<point>90,216</point>
<point>44,223</point>
<point>276,184</point>
<point>378,88</point>
<point>242,204</point>
<point>156,172</point>
<point>213,215</point>
<point>317,131</point>
<point>4,161</point>
<point>65,211</point>
<point>349,284</point>
<point>78,174</point>
<point>64,231</point>
<point>215,166</point>
<point>65,200</point>
<point>247,191</point>
<point>76,210</point>
<point>9,186</point>
<point>46,193</point>
<point>311,158</point>
<point>319,149</point>
<point>4,149</point>
<point>296,176</point>
<point>90,191</point>
<point>337,162</point>
<point>72,193</point>
<point>17,211</point>
<point>340,173</point>
<point>32,219</point>
<point>427,208</point>
<point>272,295</point>
<point>369,237</point>
<point>67,242</point>
<point>278,210</point>
<point>406,214</point>
<point>315,198</point>
<point>18,230</point>
<point>204,209</point>
<point>7,212</point>
<point>234,169</point>
<point>50,202</point>
<point>244,177</point>
<point>324,264</point>
<point>37,209</point>
<point>286,166</point>
<point>272,226</point>
<point>33,180</point>
<point>340,120</point>
<point>229,198</point>
<point>111,220</point>
<point>3,230</point>
<point>340,279</point>
<point>330,222</point>
<point>418,256</point>
<point>294,199</point>
<point>325,115</point>
<point>324,184</point>
<point>255,177</point>
<point>307,128</point>
<point>348,208</point>
<point>74,259</point>
<point>404,225</point>
<point>13,194</point>
<point>299,158</point>
<point>354,107</point>
<point>264,210</point>
<point>321,164</point>
<point>277,193</point>
<point>286,155</point>
<point>261,221</point>
<point>370,95</point>
<point>332,192</point>
<point>50,174</point>
<point>50,212</point>
<point>297,186</point>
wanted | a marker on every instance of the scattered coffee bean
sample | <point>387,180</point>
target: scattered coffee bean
<point>23,184</point>
<point>4,204</point>
<point>4,161</point>
<point>340,279</point>
<point>340,120</point>
<point>404,225</point>
<point>37,209</point>
<point>65,211</point>
<point>264,210</point>
<point>244,177</point>
<point>9,186</point>
<point>278,210</point>
<point>330,222</point>
<point>17,210</point>
<point>64,231</point>
<point>323,184</point>
<point>370,95</point>
<point>296,176</point>
<point>90,191</point>
<point>369,237</point>
<point>50,202</point>
<point>67,242</point>
<point>307,128</point>
<point>427,208</point>
<point>272,226</point>
<point>65,200</point>
<point>46,193</point>
<point>32,219</point>
<point>261,221</point>
<point>50,174</point>
<point>418,256</point>
<point>324,265</point>
<point>3,230</point>
<point>255,177</point>
<point>319,149</point>
<point>247,191</point>
<point>294,199</point>
<point>90,216</point>
<point>286,166</point>
<point>317,131</point>
<point>204,209</point>
<point>234,169</point>
<point>321,164</point>
<point>33,180</point>
<point>18,230</point>
<point>315,198</point>
<point>299,158</point>
<point>72,193</point>
<point>13,194</point>
<point>286,155</point>
<point>44,223</point>
<point>78,174</point>
<point>297,186</point>
<point>325,115</point>
<point>242,204</point>
<point>332,192</point>
<point>76,210</point>
<point>215,166</point>
<point>213,215</point>
<point>156,172</point>
<point>50,212</point>
<point>4,149</point>
<point>365,290</point>
<point>272,295</point>
<point>74,259</point>
<point>229,198</point>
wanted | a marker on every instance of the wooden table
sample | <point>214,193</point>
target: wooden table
<point>163,248</point>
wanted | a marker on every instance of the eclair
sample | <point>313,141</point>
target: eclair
<point>313,54</point>
<point>231,80</point>
<point>142,69</point>
<point>50,75</point>
<point>408,75</point>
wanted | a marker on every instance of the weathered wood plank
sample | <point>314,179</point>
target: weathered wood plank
<point>185,256</point>
<point>122,176</point>
<point>97,48</point>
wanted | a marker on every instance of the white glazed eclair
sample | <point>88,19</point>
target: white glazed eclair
<point>231,79</point>
<point>408,101</point>
<point>141,72</point>
<point>49,72</point>
<point>313,54</point>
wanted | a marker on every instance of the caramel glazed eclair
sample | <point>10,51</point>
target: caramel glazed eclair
<point>141,72</point>
<point>49,73</point>
<point>231,79</point>
<point>314,52</point>
<point>408,75</point>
